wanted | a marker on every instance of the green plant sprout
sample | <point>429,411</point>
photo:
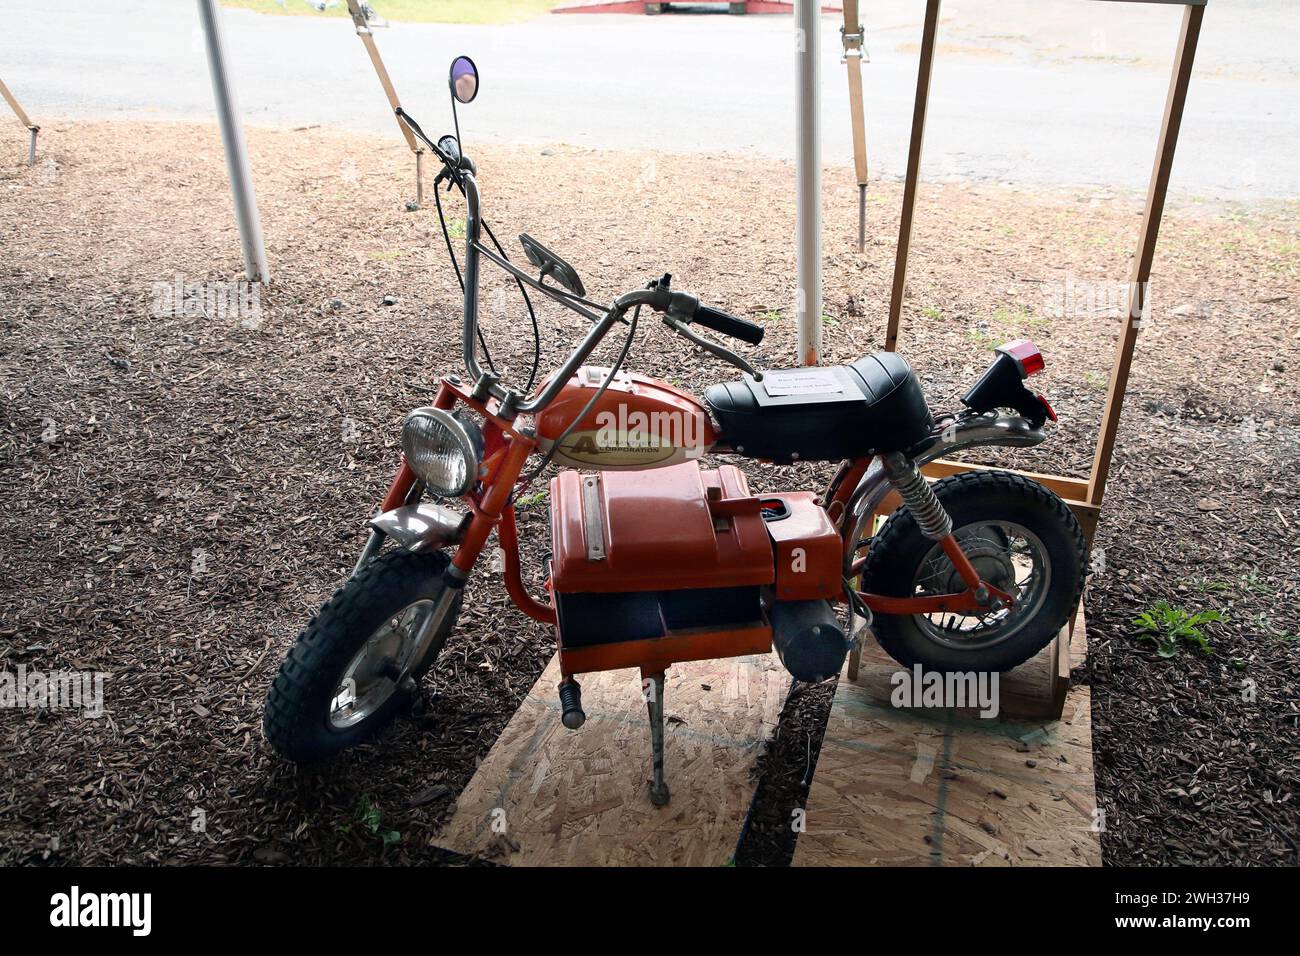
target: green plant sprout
<point>1168,627</point>
<point>372,818</point>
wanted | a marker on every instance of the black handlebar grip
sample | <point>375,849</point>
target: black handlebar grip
<point>728,324</point>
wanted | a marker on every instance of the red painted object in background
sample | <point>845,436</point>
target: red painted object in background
<point>640,7</point>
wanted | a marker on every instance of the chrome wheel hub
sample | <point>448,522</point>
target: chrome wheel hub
<point>372,676</point>
<point>1008,557</point>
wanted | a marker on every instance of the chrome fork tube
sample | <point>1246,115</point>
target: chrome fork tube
<point>428,628</point>
<point>373,544</point>
<point>376,540</point>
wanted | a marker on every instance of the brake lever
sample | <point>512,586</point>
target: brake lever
<point>714,348</point>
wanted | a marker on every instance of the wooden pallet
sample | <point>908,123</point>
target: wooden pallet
<point>920,787</point>
<point>547,796</point>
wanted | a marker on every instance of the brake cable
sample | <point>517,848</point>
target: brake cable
<point>453,178</point>
<point>537,332</point>
<point>455,263</point>
<point>523,483</point>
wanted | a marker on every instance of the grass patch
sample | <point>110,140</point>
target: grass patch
<point>1255,584</point>
<point>1018,319</point>
<point>531,501</point>
<point>414,11</point>
<point>1096,380</point>
<point>1169,627</point>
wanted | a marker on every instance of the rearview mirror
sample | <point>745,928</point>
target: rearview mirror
<point>550,264</point>
<point>463,79</point>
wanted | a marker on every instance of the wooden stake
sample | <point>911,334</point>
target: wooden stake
<point>1141,275</point>
<point>854,40</point>
<point>367,38</point>
<point>13,103</point>
<point>923,72</point>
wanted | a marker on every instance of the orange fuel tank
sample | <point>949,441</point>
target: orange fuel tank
<point>640,422</point>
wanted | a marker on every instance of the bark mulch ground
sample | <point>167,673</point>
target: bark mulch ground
<point>182,488</point>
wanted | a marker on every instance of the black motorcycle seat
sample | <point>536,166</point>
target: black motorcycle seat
<point>823,413</point>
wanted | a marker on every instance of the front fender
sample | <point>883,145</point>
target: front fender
<point>423,526</point>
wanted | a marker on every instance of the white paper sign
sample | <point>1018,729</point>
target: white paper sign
<point>801,381</point>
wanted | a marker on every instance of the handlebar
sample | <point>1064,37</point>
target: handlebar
<point>679,308</point>
<point>687,309</point>
<point>728,324</point>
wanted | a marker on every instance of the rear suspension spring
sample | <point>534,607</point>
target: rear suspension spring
<point>919,497</point>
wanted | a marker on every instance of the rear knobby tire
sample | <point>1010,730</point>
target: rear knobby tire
<point>896,554</point>
<point>296,721</point>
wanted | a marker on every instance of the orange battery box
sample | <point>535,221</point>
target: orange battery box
<point>807,549</point>
<point>654,567</point>
<point>663,529</point>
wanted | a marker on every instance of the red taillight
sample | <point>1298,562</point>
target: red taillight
<point>1028,358</point>
<point>1051,413</point>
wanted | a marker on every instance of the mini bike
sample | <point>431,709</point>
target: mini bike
<point>655,559</point>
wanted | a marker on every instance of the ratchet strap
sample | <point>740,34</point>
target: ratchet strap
<point>852,35</point>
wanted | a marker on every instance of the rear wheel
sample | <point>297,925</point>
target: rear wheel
<point>1021,538</point>
<point>339,684</point>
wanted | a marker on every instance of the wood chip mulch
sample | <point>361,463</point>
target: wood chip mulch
<point>180,491</point>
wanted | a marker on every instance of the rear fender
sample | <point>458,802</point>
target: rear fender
<point>950,434</point>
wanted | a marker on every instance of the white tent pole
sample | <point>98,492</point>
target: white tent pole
<point>232,134</point>
<point>808,176</point>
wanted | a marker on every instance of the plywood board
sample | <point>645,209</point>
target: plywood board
<point>935,788</point>
<point>548,796</point>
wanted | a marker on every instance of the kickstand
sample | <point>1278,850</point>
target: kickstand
<point>653,689</point>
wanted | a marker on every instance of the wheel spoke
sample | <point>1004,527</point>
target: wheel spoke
<point>1005,555</point>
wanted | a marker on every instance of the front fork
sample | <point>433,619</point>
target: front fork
<point>493,509</point>
<point>404,490</point>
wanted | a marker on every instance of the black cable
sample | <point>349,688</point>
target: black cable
<point>537,332</point>
<point>453,173</point>
<point>528,302</point>
<point>613,371</point>
<point>446,237</point>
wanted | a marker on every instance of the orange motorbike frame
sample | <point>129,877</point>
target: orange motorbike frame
<point>491,504</point>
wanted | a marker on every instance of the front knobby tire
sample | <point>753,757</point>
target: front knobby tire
<point>301,721</point>
<point>994,514</point>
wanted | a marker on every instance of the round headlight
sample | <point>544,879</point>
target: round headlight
<point>442,450</point>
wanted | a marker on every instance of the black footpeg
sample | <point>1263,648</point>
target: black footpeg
<point>571,714</point>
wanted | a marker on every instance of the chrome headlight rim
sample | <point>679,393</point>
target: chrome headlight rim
<point>458,431</point>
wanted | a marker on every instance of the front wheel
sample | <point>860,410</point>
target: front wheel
<point>339,684</point>
<point>1021,538</point>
